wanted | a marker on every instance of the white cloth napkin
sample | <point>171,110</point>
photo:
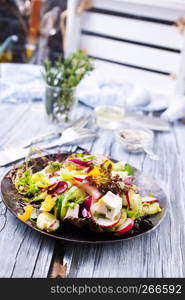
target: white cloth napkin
<point>99,82</point>
<point>21,83</point>
<point>176,109</point>
<point>136,98</point>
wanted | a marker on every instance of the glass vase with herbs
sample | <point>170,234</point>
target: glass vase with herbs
<point>62,78</point>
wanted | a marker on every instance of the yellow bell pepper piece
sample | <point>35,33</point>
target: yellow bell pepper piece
<point>81,173</point>
<point>107,163</point>
<point>94,172</point>
<point>71,168</point>
<point>27,213</point>
<point>43,186</point>
<point>48,203</point>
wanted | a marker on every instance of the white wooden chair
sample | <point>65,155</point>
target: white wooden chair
<point>142,40</point>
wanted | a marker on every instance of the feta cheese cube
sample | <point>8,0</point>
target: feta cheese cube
<point>73,212</point>
<point>109,205</point>
<point>98,209</point>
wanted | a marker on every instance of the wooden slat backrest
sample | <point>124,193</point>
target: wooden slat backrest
<point>141,40</point>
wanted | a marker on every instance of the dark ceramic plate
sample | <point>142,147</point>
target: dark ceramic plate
<point>68,232</point>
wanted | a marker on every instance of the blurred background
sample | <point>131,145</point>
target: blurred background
<point>138,43</point>
<point>35,23</point>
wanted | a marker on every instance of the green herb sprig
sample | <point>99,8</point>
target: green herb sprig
<point>64,74</point>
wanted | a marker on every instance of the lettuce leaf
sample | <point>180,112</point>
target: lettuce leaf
<point>136,205</point>
<point>39,179</point>
<point>129,169</point>
<point>25,185</point>
<point>120,166</point>
<point>53,166</point>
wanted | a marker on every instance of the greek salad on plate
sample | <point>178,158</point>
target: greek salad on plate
<point>86,190</point>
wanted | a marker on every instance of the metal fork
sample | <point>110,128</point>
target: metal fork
<point>69,135</point>
<point>80,123</point>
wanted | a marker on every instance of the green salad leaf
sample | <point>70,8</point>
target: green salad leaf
<point>53,166</point>
<point>25,185</point>
<point>120,166</point>
<point>128,168</point>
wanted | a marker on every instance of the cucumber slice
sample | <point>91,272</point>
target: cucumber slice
<point>48,222</point>
<point>58,206</point>
<point>73,196</point>
<point>151,209</point>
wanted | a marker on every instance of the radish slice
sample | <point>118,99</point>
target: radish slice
<point>125,227</point>
<point>87,170</point>
<point>128,199</point>
<point>89,189</point>
<point>107,223</point>
<point>80,177</point>
<point>149,200</point>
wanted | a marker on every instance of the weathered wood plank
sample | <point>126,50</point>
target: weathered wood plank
<point>149,58</point>
<point>23,252</point>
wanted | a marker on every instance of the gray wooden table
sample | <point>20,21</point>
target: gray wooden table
<point>26,253</point>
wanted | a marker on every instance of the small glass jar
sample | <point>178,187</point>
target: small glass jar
<point>111,109</point>
<point>132,139</point>
<point>59,103</point>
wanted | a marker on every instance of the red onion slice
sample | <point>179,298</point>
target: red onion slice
<point>79,162</point>
<point>59,188</point>
<point>53,224</point>
<point>86,213</point>
<point>87,203</point>
<point>128,199</point>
